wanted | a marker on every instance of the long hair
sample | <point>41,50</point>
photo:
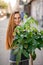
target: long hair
<point>10,29</point>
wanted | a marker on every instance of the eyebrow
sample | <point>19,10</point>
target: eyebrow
<point>18,17</point>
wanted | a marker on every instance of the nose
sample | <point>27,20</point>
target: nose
<point>17,19</point>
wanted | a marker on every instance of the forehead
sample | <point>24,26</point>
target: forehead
<point>16,15</point>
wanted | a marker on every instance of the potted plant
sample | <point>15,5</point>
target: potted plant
<point>27,37</point>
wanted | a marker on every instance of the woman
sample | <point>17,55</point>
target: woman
<point>15,19</point>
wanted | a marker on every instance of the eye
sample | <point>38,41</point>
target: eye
<point>19,17</point>
<point>15,18</point>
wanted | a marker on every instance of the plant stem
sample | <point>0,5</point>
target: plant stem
<point>31,60</point>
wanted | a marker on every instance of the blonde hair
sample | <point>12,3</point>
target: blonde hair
<point>10,29</point>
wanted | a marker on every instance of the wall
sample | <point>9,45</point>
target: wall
<point>37,10</point>
<point>37,13</point>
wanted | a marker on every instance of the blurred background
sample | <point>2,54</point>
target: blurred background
<point>32,8</point>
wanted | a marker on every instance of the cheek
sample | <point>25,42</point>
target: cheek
<point>15,20</point>
<point>19,20</point>
<point>16,23</point>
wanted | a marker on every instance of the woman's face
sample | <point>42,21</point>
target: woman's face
<point>17,19</point>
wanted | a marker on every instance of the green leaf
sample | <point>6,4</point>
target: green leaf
<point>34,55</point>
<point>34,43</point>
<point>16,51</point>
<point>18,57</point>
<point>41,32</point>
<point>25,53</point>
